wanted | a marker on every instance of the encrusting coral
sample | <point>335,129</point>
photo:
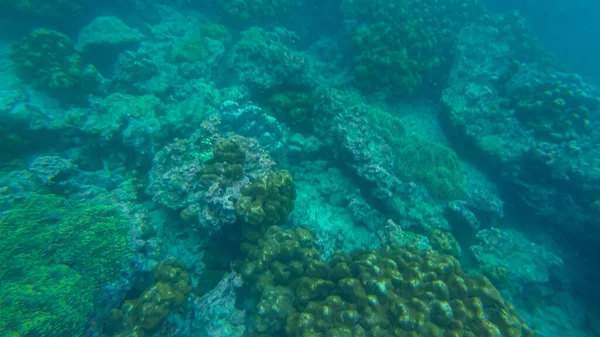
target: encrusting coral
<point>143,316</point>
<point>390,291</point>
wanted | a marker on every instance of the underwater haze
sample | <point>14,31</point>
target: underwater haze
<point>299,168</point>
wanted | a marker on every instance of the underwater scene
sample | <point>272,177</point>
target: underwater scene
<point>299,168</point>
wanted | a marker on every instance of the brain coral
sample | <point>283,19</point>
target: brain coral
<point>391,291</point>
<point>266,202</point>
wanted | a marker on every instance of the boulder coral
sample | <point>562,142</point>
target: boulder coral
<point>265,202</point>
<point>144,315</point>
<point>401,43</point>
<point>390,291</point>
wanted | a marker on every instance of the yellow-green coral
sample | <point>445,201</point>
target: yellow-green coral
<point>143,316</point>
<point>388,126</point>
<point>431,164</point>
<point>55,256</point>
<point>225,166</point>
<point>445,243</point>
<point>48,61</point>
<point>391,291</point>
<point>265,202</point>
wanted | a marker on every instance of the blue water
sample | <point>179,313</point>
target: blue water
<point>299,168</point>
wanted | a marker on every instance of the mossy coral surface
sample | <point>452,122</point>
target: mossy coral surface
<point>431,164</point>
<point>47,60</point>
<point>54,258</point>
<point>557,108</point>
<point>391,291</point>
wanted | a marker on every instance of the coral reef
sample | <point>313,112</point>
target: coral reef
<point>445,243</point>
<point>205,177</point>
<point>403,42</point>
<point>557,105</point>
<point>391,290</point>
<point>330,205</point>
<point>144,316</point>
<point>216,313</point>
<point>16,186</point>
<point>431,164</point>
<point>132,71</point>
<point>51,170</point>
<point>264,60</point>
<point>339,156</point>
<point>265,202</point>
<point>292,108</point>
<point>370,141</point>
<point>250,121</point>
<point>527,124</point>
<point>174,178</point>
<point>225,167</point>
<point>56,256</point>
<point>48,61</point>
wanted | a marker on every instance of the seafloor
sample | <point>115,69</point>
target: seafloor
<point>228,168</point>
